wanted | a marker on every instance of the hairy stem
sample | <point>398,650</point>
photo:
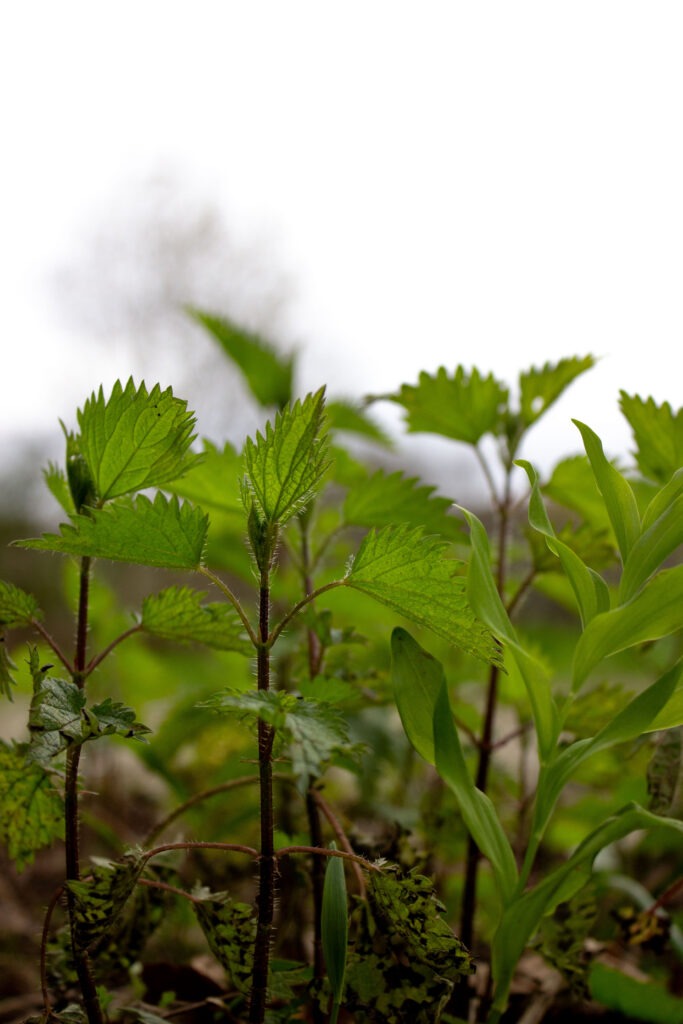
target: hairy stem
<point>71,818</point>
<point>267,864</point>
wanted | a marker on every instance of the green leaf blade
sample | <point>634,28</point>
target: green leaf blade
<point>463,407</point>
<point>334,925</point>
<point>408,571</point>
<point>651,548</point>
<point>178,613</point>
<point>17,607</point>
<point>31,809</point>
<point>616,491</point>
<point>162,533</point>
<point>541,387</point>
<point>384,499</point>
<point>285,465</point>
<point>134,439</point>
<point>268,374</point>
<point>658,433</point>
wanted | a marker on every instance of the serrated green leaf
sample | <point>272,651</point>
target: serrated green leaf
<point>7,667</point>
<point>522,916</point>
<point>57,484</point>
<point>177,613</point>
<point>487,604</point>
<point>31,809</point>
<point>267,372</point>
<point>58,718</point>
<point>314,730</point>
<point>100,899</point>
<point>616,491</point>
<point>463,407</point>
<point>590,590</point>
<point>658,434</point>
<point>134,439</point>
<point>653,613</point>
<point>163,533</point>
<point>17,607</point>
<point>652,547</point>
<point>384,499</point>
<point>351,417</point>
<point>409,572</point>
<point>286,464</point>
<point>230,930</point>
<point>541,387</point>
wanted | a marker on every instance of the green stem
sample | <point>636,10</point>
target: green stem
<point>71,818</point>
<point>267,864</point>
<point>234,601</point>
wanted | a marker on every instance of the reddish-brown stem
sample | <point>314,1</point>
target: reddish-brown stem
<point>94,662</point>
<point>53,645</point>
<point>43,948</point>
<point>666,896</point>
<point>321,851</point>
<point>228,847</point>
<point>341,836</point>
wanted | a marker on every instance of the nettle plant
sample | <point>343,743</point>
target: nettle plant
<point>383,951</point>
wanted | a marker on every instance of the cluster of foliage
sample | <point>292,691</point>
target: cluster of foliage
<point>335,555</point>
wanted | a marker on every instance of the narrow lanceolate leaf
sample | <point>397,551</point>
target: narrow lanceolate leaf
<point>286,464</point>
<point>522,916</point>
<point>177,613</point>
<point>487,604</point>
<point>409,572</point>
<point>658,434</point>
<point>653,546</point>
<point>616,491</point>
<point>386,498</point>
<point>464,407</point>
<point>17,608</point>
<point>476,808</point>
<point>267,372</point>
<point>134,439</point>
<point>31,809</point>
<point>590,590</point>
<point>653,613</point>
<point>417,679</point>
<point>161,533</point>
<point>636,718</point>
<point>334,925</point>
<point>540,387</point>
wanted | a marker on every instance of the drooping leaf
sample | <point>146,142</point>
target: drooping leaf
<point>540,387</point>
<point>267,372</point>
<point>658,434</point>
<point>616,491</point>
<point>385,498</point>
<point>313,730</point>
<point>663,771</point>
<point>230,930</point>
<point>100,898</point>
<point>572,484</point>
<point>476,808</point>
<point>177,613</point>
<point>463,407</point>
<point>522,915</point>
<point>639,1000</point>
<point>58,718</point>
<point>488,606</point>
<point>405,959</point>
<point>134,439</point>
<point>351,417</point>
<point>31,809</point>
<point>653,613</point>
<point>417,679</point>
<point>163,533</point>
<point>410,573</point>
<point>17,608</point>
<point>590,590</point>
<point>286,464</point>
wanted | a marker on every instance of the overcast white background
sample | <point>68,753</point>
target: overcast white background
<point>496,184</point>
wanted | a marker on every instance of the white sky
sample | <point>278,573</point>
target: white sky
<point>493,183</point>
